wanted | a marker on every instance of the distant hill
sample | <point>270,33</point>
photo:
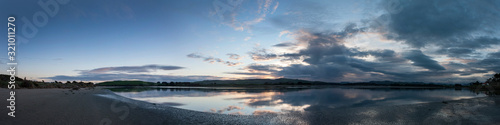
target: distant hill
<point>393,83</point>
<point>4,80</point>
<point>4,77</point>
<point>281,81</point>
<point>126,83</point>
<point>31,84</point>
<point>243,82</point>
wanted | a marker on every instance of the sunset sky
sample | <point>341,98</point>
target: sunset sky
<point>446,41</point>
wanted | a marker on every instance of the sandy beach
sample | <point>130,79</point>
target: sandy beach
<point>102,107</point>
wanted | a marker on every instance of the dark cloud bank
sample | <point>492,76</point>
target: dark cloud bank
<point>458,29</point>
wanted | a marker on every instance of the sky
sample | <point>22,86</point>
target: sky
<point>445,41</point>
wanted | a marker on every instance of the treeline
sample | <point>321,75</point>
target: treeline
<point>177,84</point>
<point>31,84</point>
<point>391,83</point>
<point>491,86</point>
<point>142,83</point>
<point>297,83</point>
<point>214,83</point>
<point>280,81</point>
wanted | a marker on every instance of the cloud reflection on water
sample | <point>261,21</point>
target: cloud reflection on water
<point>258,101</point>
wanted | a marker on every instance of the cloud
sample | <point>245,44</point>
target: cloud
<point>491,62</point>
<point>457,52</point>
<point>264,5</point>
<point>263,112</point>
<point>130,69</point>
<point>434,35</point>
<point>130,73</point>
<point>275,7</point>
<point>325,54</point>
<point>306,15</point>
<point>420,59</point>
<point>262,54</point>
<point>458,27</point>
<point>254,67</point>
<point>213,60</point>
<point>234,56</point>
<point>142,77</point>
<point>287,44</point>
<point>195,55</point>
<point>466,47</point>
<point>247,38</point>
<point>325,46</point>
<point>227,109</point>
<point>324,72</point>
<point>284,32</point>
<point>246,73</point>
<point>228,13</point>
<point>385,55</point>
<point>494,55</point>
<point>324,57</point>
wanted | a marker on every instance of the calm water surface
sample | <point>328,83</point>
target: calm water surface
<point>256,101</point>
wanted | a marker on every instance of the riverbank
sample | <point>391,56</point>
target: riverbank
<point>100,106</point>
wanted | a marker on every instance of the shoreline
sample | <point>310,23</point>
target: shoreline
<point>288,87</point>
<point>100,106</point>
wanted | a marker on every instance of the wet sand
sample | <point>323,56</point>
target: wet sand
<point>102,107</point>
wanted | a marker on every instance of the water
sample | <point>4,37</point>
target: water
<point>246,101</point>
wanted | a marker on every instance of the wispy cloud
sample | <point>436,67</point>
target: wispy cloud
<point>230,14</point>
<point>129,69</point>
<point>246,73</point>
<point>261,54</point>
<point>234,56</point>
<point>275,7</point>
<point>284,32</point>
<point>213,59</point>
<point>227,109</point>
<point>130,73</point>
<point>142,77</point>
<point>247,38</point>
